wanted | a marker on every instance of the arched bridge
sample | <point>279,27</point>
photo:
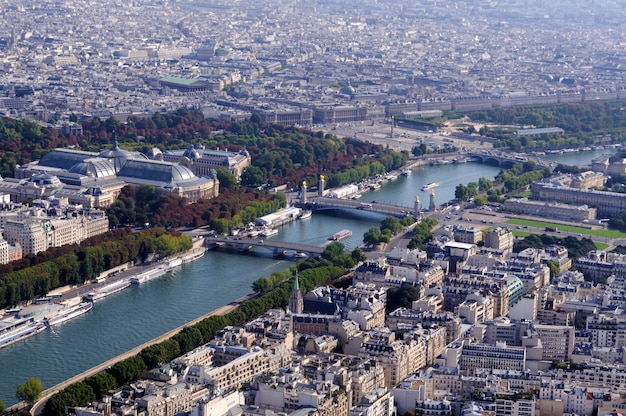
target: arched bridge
<point>275,246</point>
<point>503,159</point>
<point>315,203</point>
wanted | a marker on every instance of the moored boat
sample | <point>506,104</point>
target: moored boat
<point>306,214</point>
<point>15,329</point>
<point>67,313</point>
<point>107,290</point>
<point>268,232</point>
<point>148,275</point>
<point>341,235</point>
<point>195,255</point>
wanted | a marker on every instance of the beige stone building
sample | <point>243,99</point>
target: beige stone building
<point>35,232</point>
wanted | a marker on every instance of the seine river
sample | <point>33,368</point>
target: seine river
<point>140,313</point>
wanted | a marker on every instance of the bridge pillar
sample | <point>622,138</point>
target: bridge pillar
<point>320,186</point>
<point>303,193</point>
<point>432,205</point>
<point>416,207</point>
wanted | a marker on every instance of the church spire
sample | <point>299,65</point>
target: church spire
<point>296,303</point>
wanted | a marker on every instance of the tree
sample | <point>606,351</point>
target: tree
<point>227,179</point>
<point>372,236</point>
<point>392,224</point>
<point>252,176</point>
<point>29,391</point>
<point>2,407</point>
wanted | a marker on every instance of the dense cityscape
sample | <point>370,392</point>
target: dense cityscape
<point>139,138</point>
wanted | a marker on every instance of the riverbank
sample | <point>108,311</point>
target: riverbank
<point>36,409</point>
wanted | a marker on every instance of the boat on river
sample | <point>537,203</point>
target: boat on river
<point>268,232</point>
<point>67,312</point>
<point>340,235</point>
<point>194,255</point>
<point>429,186</point>
<point>306,214</point>
<point>14,329</point>
<point>149,275</point>
<point>107,290</point>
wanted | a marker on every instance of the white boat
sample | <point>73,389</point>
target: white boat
<point>301,255</point>
<point>67,313</point>
<point>107,290</point>
<point>306,214</point>
<point>340,235</point>
<point>14,329</point>
<point>173,263</point>
<point>375,186</point>
<point>406,172</point>
<point>268,232</point>
<point>429,186</point>
<point>148,275</point>
<point>195,255</point>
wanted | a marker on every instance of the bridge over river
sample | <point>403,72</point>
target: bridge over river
<point>276,247</point>
<point>315,203</point>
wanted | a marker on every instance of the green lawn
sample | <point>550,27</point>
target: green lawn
<point>600,246</point>
<point>568,228</point>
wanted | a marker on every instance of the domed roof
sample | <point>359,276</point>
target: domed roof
<point>192,153</point>
<point>154,152</point>
<point>156,171</point>
<point>114,152</point>
<point>94,168</point>
<point>348,90</point>
<point>45,179</point>
<point>119,156</point>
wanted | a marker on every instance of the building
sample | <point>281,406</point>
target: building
<point>34,231</point>
<point>96,179</point>
<point>499,356</point>
<point>608,204</point>
<point>469,235</point>
<point>203,162</point>
<point>550,209</point>
<point>500,239</point>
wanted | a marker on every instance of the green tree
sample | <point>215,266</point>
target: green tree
<point>227,179</point>
<point>372,236</point>
<point>127,370</point>
<point>392,224</point>
<point>2,407</point>
<point>252,176</point>
<point>101,383</point>
<point>29,391</point>
<point>145,195</point>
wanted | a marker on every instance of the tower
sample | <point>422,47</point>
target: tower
<point>296,304</point>
<point>320,186</point>
<point>303,193</point>
<point>432,205</point>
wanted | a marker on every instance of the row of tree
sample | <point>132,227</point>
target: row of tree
<point>81,264</point>
<point>311,273</point>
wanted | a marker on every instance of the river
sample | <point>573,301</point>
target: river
<point>141,313</point>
